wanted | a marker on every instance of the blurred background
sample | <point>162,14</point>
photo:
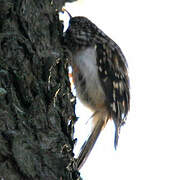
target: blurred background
<point>148,33</point>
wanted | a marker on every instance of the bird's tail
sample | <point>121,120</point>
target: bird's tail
<point>100,120</point>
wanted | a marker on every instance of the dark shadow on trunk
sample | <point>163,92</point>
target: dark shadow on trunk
<point>36,108</point>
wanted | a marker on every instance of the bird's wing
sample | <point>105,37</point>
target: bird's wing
<point>115,81</point>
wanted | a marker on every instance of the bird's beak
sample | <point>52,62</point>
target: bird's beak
<point>64,10</point>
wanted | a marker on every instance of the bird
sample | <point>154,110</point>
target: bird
<point>100,76</point>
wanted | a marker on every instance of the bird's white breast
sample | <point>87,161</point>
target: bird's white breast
<point>86,62</point>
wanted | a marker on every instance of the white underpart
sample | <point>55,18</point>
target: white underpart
<point>85,60</point>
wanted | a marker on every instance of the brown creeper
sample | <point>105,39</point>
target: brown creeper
<point>100,77</point>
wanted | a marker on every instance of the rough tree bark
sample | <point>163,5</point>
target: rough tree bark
<point>36,104</point>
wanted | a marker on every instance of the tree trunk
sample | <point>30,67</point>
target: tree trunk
<point>36,104</point>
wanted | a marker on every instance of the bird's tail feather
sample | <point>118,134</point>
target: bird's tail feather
<point>100,119</point>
